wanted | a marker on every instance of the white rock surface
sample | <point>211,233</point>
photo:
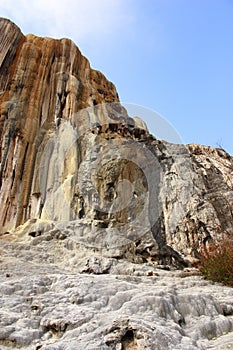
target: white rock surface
<point>56,295</point>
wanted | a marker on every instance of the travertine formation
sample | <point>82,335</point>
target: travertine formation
<point>92,207</point>
<point>71,155</point>
<point>42,81</point>
<point>57,295</point>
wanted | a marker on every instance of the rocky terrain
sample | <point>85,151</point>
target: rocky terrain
<point>56,294</point>
<point>100,222</point>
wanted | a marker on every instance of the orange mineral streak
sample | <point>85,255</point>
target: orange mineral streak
<point>42,81</point>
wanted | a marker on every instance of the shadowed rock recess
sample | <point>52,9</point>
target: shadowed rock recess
<point>100,222</point>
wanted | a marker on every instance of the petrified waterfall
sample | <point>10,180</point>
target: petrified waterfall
<point>97,214</point>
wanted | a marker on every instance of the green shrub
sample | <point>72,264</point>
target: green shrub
<point>217,262</point>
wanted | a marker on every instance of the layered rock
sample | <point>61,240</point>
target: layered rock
<point>43,81</point>
<point>73,160</point>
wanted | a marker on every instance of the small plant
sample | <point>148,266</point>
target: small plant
<point>217,262</point>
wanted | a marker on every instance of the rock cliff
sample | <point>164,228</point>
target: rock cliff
<point>43,81</point>
<point>94,209</point>
<point>71,155</point>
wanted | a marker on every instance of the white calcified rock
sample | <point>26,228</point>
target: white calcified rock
<point>71,155</point>
<point>55,295</point>
<point>96,213</point>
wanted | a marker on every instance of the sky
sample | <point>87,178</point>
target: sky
<point>172,58</point>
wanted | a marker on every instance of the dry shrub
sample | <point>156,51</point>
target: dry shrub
<point>217,262</point>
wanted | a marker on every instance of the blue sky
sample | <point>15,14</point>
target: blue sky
<point>170,56</point>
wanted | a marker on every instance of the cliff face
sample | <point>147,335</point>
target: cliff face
<point>91,209</point>
<point>72,160</point>
<point>42,81</point>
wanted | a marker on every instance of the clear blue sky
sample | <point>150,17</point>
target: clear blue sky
<point>172,56</point>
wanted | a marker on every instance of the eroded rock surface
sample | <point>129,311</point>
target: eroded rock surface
<point>71,155</point>
<point>96,214</point>
<point>42,81</point>
<point>56,294</point>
